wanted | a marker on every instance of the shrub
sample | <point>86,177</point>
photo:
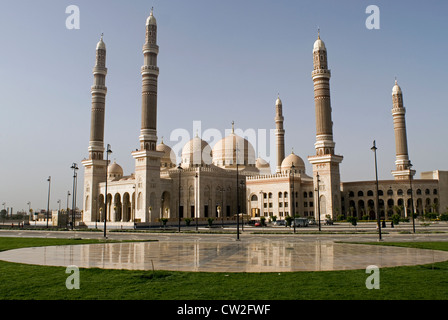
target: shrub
<point>352,220</point>
<point>396,218</point>
<point>444,217</point>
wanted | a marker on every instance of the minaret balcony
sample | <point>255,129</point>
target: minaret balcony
<point>326,73</point>
<point>154,70</point>
<point>98,89</point>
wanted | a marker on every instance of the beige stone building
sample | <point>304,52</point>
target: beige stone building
<point>218,182</point>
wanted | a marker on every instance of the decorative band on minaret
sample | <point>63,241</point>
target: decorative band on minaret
<point>150,74</point>
<point>279,133</point>
<point>98,90</point>
<point>402,162</point>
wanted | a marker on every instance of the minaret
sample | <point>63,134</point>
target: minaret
<point>95,165</point>
<point>402,162</point>
<point>98,90</point>
<point>150,74</point>
<point>325,162</point>
<point>279,133</point>
<point>147,159</point>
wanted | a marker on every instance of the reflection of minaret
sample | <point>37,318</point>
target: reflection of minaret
<point>95,166</point>
<point>325,162</point>
<point>147,159</point>
<point>403,165</point>
<point>279,133</point>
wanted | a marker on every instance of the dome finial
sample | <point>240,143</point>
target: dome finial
<point>318,32</point>
<point>233,127</point>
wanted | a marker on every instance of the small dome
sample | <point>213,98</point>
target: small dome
<point>293,159</point>
<point>151,19</point>
<point>114,170</point>
<point>396,89</point>
<point>168,159</point>
<point>319,44</point>
<point>101,45</point>
<point>278,102</point>
<point>196,152</point>
<point>261,163</point>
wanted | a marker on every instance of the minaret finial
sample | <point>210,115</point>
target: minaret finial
<point>318,32</point>
<point>233,127</point>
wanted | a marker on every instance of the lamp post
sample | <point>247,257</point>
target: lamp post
<point>412,199</point>
<point>374,148</point>
<point>318,200</point>
<point>74,167</point>
<point>105,190</point>
<point>179,168</point>
<point>29,209</point>
<point>222,206</point>
<point>292,198</point>
<point>48,202</point>
<point>242,213</point>
<point>237,197</point>
<point>196,180</point>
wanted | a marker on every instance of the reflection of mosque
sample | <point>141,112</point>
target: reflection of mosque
<point>218,182</point>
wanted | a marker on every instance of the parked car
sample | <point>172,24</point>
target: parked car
<point>300,222</point>
<point>280,223</point>
<point>258,224</point>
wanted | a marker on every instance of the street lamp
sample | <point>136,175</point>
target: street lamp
<point>292,198</point>
<point>105,190</point>
<point>374,148</point>
<point>179,168</point>
<point>244,202</point>
<point>318,200</point>
<point>196,177</point>
<point>29,209</point>
<point>412,199</point>
<point>74,167</point>
<point>48,202</point>
<point>237,197</point>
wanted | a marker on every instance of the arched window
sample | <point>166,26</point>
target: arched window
<point>427,191</point>
<point>370,193</point>
<point>419,191</point>
<point>400,192</point>
<point>434,191</point>
<point>380,193</point>
<point>390,192</point>
<point>360,194</point>
<point>351,194</point>
<point>305,194</point>
<point>280,195</point>
<point>254,198</point>
<point>310,194</point>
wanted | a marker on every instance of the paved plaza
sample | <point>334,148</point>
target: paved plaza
<point>224,253</point>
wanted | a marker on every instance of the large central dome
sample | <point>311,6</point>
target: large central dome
<point>196,152</point>
<point>226,151</point>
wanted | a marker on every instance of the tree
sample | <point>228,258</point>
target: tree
<point>210,222</point>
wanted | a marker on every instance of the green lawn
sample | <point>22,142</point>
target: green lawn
<point>20,281</point>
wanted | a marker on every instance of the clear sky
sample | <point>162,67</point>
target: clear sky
<point>220,61</point>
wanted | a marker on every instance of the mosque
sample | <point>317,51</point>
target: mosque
<point>227,179</point>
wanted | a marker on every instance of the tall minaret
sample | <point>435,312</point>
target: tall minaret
<point>279,133</point>
<point>147,159</point>
<point>95,165</point>
<point>403,164</point>
<point>150,74</point>
<point>325,162</point>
